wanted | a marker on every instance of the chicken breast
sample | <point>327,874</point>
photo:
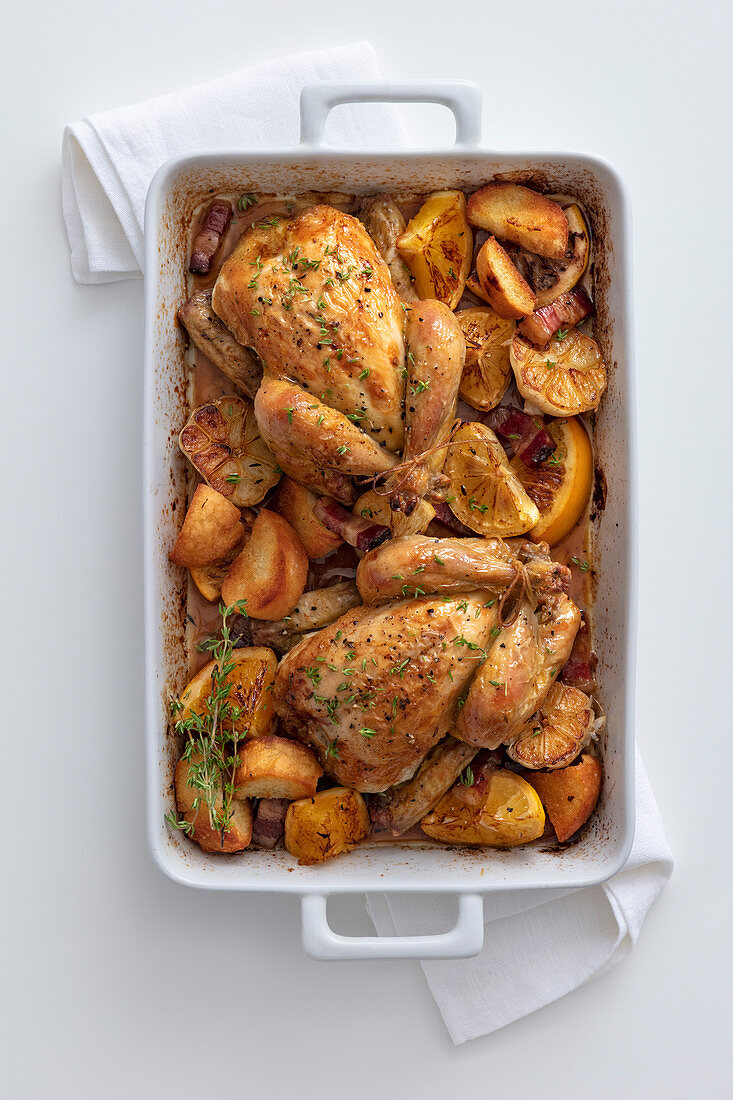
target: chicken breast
<point>315,300</point>
<point>373,692</point>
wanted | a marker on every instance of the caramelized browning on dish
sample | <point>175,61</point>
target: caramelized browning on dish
<point>440,667</point>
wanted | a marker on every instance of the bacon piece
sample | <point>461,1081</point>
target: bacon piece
<point>269,824</point>
<point>568,309</point>
<point>444,515</point>
<point>360,533</point>
<point>527,435</point>
<point>209,238</point>
<point>580,667</point>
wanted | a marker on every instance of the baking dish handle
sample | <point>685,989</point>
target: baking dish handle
<point>462,941</point>
<point>462,97</point>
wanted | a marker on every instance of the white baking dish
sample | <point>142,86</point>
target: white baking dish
<point>176,190</point>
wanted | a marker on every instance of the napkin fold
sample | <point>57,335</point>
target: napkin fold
<point>109,159</point>
<point>539,944</point>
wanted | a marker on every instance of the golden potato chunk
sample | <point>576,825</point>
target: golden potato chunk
<point>522,216</point>
<point>326,825</point>
<point>212,527</point>
<point>487,370</point>
<point>191,803</point>
<point>295,503</point>
<point>569,795</point>
<point>499,810</point>
<point>507,291</point>
<point>250,691</point>
<point>209,578</point>
<point>437,246</point>
<point>273,767</point>
<point>271,571</point>
<point>222,441</point>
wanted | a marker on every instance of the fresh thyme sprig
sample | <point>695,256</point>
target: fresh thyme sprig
<point>212,736</point>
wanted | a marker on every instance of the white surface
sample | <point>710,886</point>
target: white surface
<point>124,984</point>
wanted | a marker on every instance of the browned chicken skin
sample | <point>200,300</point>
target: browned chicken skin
<point>315,300</point>
<point>436,354</point>
<point>377,689</point>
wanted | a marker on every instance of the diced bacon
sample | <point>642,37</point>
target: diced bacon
<point>580,668</point>
<point>570,308</point>
<point>444,515</point>
<point>269,824</point>
<point>360,533</point>
<point>527,435</point>
<point>209,238</point>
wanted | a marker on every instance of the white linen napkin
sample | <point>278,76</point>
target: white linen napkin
<point>539,944</point>
<point>109,159</point>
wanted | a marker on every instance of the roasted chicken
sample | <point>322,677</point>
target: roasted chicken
<point>354,378</point>
<point>374,691</point>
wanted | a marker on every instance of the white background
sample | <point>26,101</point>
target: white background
<point>122,984</point>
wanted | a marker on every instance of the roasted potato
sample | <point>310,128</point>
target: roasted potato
<point>522,216</point>
<point>222,441</point>
<point>437,246</point>
<point>487,370</point>
<point>326,825</point>
<point>271,571</point>
<point>296,503</point>
<point>250,691</point>
<point>273,767</point>
<point>499,810</point>
<point>569,795</point>
<point>212,527</point>
<point>191,804</point>
<point>507,291</point>
<point>209,578</point>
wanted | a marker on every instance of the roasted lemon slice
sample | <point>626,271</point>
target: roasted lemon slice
<point>561,486</point>
<point>437,246</point>
<point>501,810</point>
<point>250,689</point>
<point>488,369</point>
<point>484,493</point>
<point>567,378</point>
<point>222,440</point>
<point>558,732</point>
